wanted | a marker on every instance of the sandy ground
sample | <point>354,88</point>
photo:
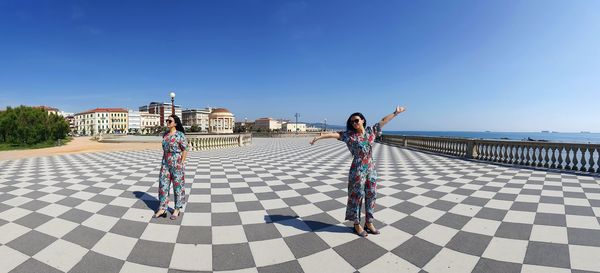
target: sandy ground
<point>78,145</point>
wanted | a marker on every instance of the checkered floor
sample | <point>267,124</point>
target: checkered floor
<point>278,206</point>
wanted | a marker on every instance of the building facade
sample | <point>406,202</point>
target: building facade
<point>72,124</point>
<point>65,114</point>
<point>221,121</point>
<point>48,109</point>
<point>267,124</point>
<point>102,120</point>
<point>163,109</point>
<point>197,117</point>
<point>293,127</point>
<point>243,126</point>
<point>148,122</point>
<point>135,121</point>
<point>314,129</point>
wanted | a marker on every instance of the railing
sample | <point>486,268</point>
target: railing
<point>288,134</point>
<point>198,142</point>
<point>552,155</point>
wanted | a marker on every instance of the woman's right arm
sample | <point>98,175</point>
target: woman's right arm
<point>326,135</point>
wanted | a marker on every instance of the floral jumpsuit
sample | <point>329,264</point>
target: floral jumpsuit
<point>172,170</point>
<point>362,180</point>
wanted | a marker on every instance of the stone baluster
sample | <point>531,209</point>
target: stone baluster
<point>498,153</point>
<point>553,159</point>
<point>592,160</point>
<point>514,154</point>
<point>485,151</point>
<point>560,159</point>
<point>538,156</point>
<point>575,159</point>
<point>583,160</point>
<point>568,157</point>
<point>546,157</point>
<point>527,151</point>
<point>597,160</point>
<point>495,152</point>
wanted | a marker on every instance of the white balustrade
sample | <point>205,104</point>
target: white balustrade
<point>552,155</point>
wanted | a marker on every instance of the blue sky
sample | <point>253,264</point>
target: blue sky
<point>456,65</point>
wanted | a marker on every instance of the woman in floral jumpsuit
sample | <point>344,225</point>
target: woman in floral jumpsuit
<point>174,146</point>
<point>362,179</point>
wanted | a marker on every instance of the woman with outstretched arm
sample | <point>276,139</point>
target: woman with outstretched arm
<point>362,179</point>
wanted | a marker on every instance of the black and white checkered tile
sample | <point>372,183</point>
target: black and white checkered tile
<point>278,206</point>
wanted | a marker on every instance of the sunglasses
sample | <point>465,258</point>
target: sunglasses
<point>169,121</point>
<point>355,121</point>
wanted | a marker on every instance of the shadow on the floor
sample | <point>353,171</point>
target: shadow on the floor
<point>306,225</point>
<point>150,201</point>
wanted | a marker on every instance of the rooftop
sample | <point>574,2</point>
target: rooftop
<point>104,110</point>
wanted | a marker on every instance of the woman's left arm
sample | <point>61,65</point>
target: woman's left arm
<point>391,116</point>
<point>183,146</point>
<point>183,156</point>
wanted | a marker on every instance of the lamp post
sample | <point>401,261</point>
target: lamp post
<point>325,121</point>
<point>172,94</point>
<point>297,115</point>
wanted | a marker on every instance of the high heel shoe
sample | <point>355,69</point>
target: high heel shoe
<point>363,233</point>
<point>162,215</point>
<point>174,217</point>
<point>372,231</point>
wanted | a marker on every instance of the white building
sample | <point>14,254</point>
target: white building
<point>135,121</point>
<point>102,120</point>
<point>266,124</point>
<point>198,117</point>
<point>293,127</point>
<point>314,129</point>
<point>65,114</point>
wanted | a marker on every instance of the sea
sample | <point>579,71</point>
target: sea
<point>583,137</point>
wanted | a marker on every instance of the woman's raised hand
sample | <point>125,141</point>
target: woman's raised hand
<point>399,109</point>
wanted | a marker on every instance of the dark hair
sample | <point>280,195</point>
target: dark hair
<point>349,126</point>
<point>178,124</point>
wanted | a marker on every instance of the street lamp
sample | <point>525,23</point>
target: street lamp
<point>297,115</point>
<point>325,121</point>
<point>172,94</point>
